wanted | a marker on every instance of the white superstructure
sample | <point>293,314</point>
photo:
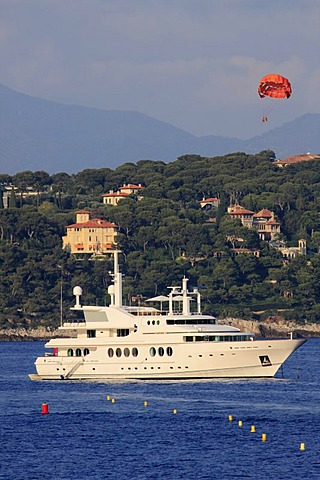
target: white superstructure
<point>121,342</point>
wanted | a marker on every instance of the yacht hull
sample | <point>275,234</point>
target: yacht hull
<point>256,359</point>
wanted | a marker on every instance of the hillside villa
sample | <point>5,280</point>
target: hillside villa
<point>113,198</point>
<point>94,236</point>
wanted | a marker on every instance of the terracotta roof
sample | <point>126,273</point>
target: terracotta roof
<point>94,223</point>
<point>206,200</point>
<point>132,186</point>
<point>298,158</point>
<point>82,211</point>
<point>241,211</point>
<point>116,194</point>
<point>265,213</point>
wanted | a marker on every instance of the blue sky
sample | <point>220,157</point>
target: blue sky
<point>192,63</point>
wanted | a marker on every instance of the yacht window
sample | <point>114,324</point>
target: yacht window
<point>118,352</point>
<point>134,352</point>
<point>192,321</point>
<point>110,352</point>
<point>91,333</point>
<point>169,351</point>
<point>158,322</point>
<point>122,332</point>
<point>161,351</point>
<point>86,351</point>
<point>152,351</point>
<point>126,352</point>
<point>78,352</point>
<point>70,352</point>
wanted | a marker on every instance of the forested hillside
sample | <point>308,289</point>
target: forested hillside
<point>164,236</point>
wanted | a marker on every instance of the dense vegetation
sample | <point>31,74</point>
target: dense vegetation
<point>164,236</point>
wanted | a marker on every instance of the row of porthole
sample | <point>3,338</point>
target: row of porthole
<point>78,352</point>
<point>126,352</point>
<point>134,352</point>
<point>153,351</point>
<point>153,322</point>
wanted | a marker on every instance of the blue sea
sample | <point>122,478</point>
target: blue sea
<point>184,432</point>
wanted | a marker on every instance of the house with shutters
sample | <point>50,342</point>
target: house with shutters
<point>91,236</point>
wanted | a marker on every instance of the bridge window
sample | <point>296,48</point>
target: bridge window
<point>86,351</point>
<point>70,352</point>
<point>78,352</point>
<point>91,333</point>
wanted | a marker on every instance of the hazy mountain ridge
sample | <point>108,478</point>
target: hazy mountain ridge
<point>39,134</point>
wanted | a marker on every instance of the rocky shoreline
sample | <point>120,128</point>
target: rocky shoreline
<point>275,328</point>
<point>271,328</point>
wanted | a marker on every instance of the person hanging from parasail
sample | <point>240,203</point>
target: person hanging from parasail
<point>274,86</point>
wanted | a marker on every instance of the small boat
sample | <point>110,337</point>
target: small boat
<point>119,342</point>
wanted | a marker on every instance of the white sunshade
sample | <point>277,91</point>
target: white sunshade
<point>160,298</point>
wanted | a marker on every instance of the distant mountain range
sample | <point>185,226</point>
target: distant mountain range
<point>38,134</point>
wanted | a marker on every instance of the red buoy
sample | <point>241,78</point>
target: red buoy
<point>45,409</point>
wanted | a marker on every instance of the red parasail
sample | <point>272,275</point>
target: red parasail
<point>274,86</point>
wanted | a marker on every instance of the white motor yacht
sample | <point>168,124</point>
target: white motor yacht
<point>144,342</point>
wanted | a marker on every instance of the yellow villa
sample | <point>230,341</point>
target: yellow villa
<point>94,236</point>
<point>113,198</point>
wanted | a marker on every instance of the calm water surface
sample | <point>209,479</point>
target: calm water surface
<point>85,436</point>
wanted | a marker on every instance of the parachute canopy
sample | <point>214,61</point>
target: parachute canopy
<point>275,86</point>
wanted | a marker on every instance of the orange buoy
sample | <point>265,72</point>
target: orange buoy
<point>45,409</point>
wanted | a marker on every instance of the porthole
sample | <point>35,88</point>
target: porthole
<point>86,351</point>
<point>148,322</point>
<point>161,351</point>
<point>110,352</point>
<point>169,351</point>
<point>158,322</point>
<point>78,352</point>
<point>153,322</point>
<point>118,352</point>
<point>134,352</point>
<point>126,352</point>
<point>152,351</point>
<point>70,352</point>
